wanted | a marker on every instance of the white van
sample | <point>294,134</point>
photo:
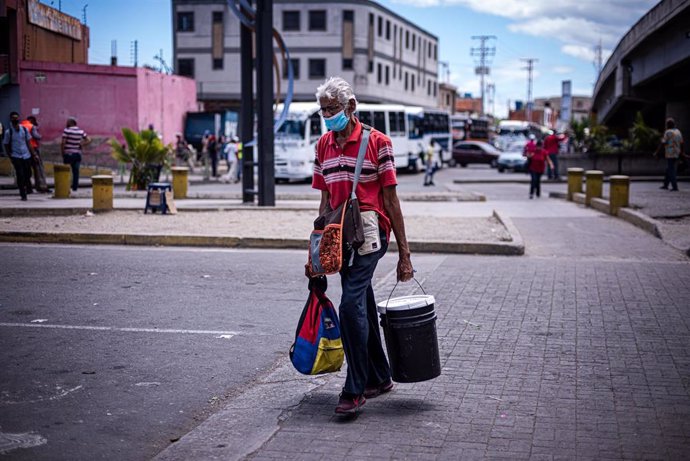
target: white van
<point>295,141</point>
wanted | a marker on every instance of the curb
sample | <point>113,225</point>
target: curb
<point>486,248</point>
<point>634,217</point>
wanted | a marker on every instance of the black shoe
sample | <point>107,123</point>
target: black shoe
<point>24,199</point>
<point>664,187</point>
<point>674,190</point>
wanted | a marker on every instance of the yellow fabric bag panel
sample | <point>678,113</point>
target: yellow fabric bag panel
<point>329,357</point>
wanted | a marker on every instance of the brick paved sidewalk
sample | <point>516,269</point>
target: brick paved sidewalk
<point>566,353</point>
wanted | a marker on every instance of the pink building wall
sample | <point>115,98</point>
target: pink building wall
<point>104,99</point>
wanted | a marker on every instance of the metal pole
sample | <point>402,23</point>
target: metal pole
<point>247,113</point>
<point>264,90</point>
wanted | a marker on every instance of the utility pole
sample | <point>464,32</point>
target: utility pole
<point>598,60</point>
<point>446,67</point>
<point>135,53</point>
<point>483,52</point>
<point>530,67</point>
<point>83,14</point>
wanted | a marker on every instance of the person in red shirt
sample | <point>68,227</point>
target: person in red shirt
<point>551,143</point>
<point>538,159</point>
<point>368,371</point>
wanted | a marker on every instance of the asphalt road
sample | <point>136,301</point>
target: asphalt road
<point>114,352</point>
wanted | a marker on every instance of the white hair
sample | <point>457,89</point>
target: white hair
<point>335,87</point>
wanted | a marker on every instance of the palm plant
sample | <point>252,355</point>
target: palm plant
<point>642,137</point>
<point>145,152</point>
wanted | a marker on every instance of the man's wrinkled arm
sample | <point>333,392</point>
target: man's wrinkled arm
<point>394,213</point>
<point>325,197</point>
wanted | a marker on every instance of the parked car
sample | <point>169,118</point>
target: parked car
<point>466,152</point>
<point>513,160</point>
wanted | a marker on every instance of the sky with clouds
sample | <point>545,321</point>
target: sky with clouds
<point>561,35</point>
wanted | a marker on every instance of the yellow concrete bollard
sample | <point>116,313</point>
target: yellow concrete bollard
<point>102,192</point>
<point>180,181</point>
<point>620,193</point>
<point>61,173</point>
<point>574,181</point>
<point>594,183</point>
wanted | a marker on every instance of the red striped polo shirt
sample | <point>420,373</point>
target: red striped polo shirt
<point>334,170</point>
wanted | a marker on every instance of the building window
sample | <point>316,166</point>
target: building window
<point>407,80</point>
<point>317,20</point>
<point>435,49</point>
<point>414,39</point>
<point>317,68</point>
<point>217,16</point>
<point>412,83</point>
<point>185,67</point>
<point>347,64</point>
<point>407,39</point>
<point>379,75</point>
<point>428,87</point>
<point>380,26</point>
<point>371,66</point>
<point>295,68</point>
<point>388,75</point>
<point>435,89</point>
<point>185,21</point>
<point>429,50</point>
<point>348,15</point>
<point>217,64</point>
<point>290,20</point>
<point>388,30</point>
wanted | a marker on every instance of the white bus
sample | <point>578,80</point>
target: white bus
<point>295,141</point>
<point>423,125</point>
<point>389,119</point>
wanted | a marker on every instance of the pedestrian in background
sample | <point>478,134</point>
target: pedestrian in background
<point>184,152</point>
<point>538,159</point>
<point>40,182</point>
<point>672,143</point>
<point>231,153</point>
<point>368,372</point>
<point>212,147</point>
<point>433,154</point>
<point>16,141</point>
<point>551,143</point>
<point>73,141</point>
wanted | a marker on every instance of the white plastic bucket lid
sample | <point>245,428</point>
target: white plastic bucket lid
<point>405,303</point>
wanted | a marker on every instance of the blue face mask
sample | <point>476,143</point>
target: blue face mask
<point>338,122</point>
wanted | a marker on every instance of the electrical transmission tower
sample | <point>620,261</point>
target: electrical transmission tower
<point>483,52</point>
<point>491,92</point>
<point>530,67</point>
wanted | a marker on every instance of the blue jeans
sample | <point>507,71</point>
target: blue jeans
<point>553,173</point>
<point>670,176</point>
<point>74,161</point>
<point>366,363</point>
<point>535,183</point>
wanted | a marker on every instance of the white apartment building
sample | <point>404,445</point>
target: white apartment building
<point>386,57</point>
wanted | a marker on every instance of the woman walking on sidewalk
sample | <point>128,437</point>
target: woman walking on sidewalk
<point>538,159</point>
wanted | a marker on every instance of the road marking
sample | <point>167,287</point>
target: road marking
<point>225,334</point>
<point>10,441</point>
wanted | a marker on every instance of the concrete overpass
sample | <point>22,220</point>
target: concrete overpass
<point>649,71</point>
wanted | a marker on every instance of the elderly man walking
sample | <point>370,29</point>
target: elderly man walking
<point>368,371</point>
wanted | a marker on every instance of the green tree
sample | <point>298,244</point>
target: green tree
<point>145,152</point>
<point>642,137</point>
<point>580,133</point>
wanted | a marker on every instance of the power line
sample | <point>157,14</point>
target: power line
<point>483,52</point>
<point>530,67</point>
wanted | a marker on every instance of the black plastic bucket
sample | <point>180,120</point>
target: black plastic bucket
<point>409,327</point>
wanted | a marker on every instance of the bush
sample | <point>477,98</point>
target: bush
<point>145,152</point>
